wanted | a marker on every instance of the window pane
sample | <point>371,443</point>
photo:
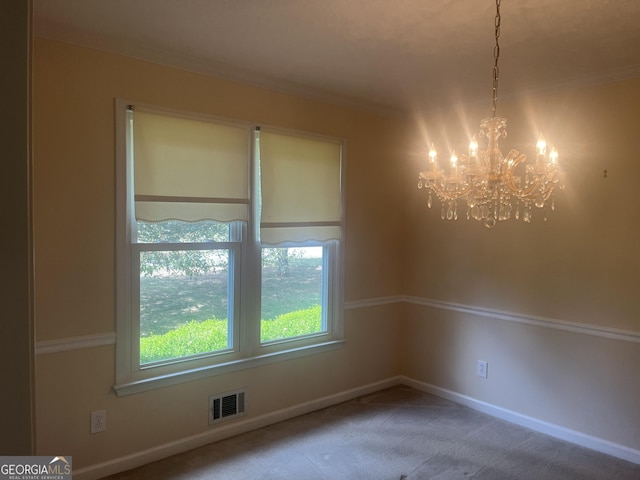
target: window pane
<point>179,232</point>
<point>184,304</point>
<point>292,290</point>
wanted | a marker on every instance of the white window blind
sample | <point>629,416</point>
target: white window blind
<point>300,187</point>
<point>190,170</point>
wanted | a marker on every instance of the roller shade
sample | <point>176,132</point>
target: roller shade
<point>300,189</point>
<point>190,170</point>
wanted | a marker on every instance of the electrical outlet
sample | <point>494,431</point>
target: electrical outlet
<point>481,368</point>
<point>98,421</point>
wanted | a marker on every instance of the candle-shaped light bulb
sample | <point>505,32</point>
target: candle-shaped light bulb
<point>454,159</point>
<point>541,145</point>
<point>473,147</point>
<point>454,164</point>
<point>553,156</point>
<point>432,154</point>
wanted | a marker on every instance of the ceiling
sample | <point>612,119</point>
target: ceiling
<point>381,55</point>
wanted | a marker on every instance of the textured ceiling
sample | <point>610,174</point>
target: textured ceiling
<point>384,55</point>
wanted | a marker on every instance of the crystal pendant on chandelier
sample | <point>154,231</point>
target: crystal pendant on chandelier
<point>494,187</point>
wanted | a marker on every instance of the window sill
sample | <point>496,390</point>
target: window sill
<point>151,383</point>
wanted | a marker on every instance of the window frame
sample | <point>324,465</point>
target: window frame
<point>245,251</point>
<point>232,247</point>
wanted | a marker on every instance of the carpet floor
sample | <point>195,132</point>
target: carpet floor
<point>395,434</point>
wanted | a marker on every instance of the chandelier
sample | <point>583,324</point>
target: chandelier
<point>494,187</point>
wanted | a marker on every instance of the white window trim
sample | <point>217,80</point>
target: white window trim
<point>250,352</point>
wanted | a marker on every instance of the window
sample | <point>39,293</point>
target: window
<point>228,246</point>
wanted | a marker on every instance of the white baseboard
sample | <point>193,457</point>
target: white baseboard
<point>225,431</point>
<point>248,424</point>
<point>562,433</point>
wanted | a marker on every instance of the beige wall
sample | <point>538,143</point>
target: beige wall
<point>74,91</point>
<point>581,267</point>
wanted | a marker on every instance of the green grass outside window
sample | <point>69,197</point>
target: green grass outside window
<point>196,337</point>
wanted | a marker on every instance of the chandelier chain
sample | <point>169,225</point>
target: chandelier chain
<point>496,56</point>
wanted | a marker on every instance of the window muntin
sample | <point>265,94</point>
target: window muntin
<point>209,236</point>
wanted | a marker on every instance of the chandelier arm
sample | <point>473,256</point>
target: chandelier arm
<point>461,193</point>
<point>513,159</point>
<point>527,194</point>
<point>534,192</point>
<point>443,194</point>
